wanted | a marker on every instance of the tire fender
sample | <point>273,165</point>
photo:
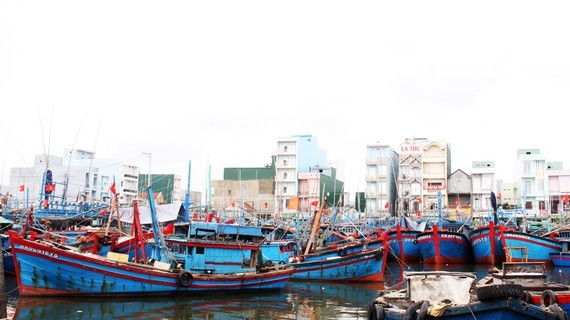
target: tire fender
<point>185,278</point>
<point>547,298</point>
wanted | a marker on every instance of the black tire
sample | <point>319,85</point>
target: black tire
<point>281,262</point>
<point>341,252</point>
<point>499,291</point>
<point>185,278</point>
<point>411,310</point>
<point>422,315</point>
<point>547,298</point>
<point>268,263</point>
<point>380,313</point>
<point>527,297</point>
<point>379,255</point>
<point>372,311</point>
<point>415,241</point>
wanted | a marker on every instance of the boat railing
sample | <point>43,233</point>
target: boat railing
<point>523,250</point>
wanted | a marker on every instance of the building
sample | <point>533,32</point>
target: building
<point>459,194</point>
<point>294,155</point>
<point>382,172</point>
<point>246,187</point>
<point>170,185</point>
<point>79,177</point>
<point>410,175</point>
<point>533,181</point>
<point>436,166</point>
<point>483,183</point>
<point>559,188</point>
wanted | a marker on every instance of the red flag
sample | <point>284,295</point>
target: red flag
<point>103,212</point>
<point>50,187</point>
<point>387,205</point>
<point>112,188</point>
<point>315,203</point>
<point>265,204</point>
<point>45,203</point>
<point>22,188</point>
<point>233,204</point>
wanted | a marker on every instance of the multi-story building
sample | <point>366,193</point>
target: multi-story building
<point>410,175</point>
<point>483,183</point>
<point>294,155</point>
<point>508,197</point>
<point>533,181</point>
<point>79,177</point>
<point>459,188</point>
<point>382,172</point>
<point>436,165</point>
<point>559,188</point>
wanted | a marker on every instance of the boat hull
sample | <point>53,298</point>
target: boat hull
<point>46,270</point>
<point>487,245</point>
<point>364,265</point>
<point>403,245</point>
<point>561,259</point>
<point>444,247</point>
<point>521,247</point>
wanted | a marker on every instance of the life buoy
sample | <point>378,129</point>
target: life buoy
<point>341,252</point>
<point>185,278</point>
<point>547,298</point>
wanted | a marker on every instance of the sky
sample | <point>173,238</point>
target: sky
<point>212,84</point>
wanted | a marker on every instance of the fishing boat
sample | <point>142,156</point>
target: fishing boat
<point>446,242</point>
<point>487,245</point>
<point>403,244</point>
<point>455,295</point>
<point>176,266</point>
<point>486,240</point>
<point>532,278</point>
<point>346,263</point>
<point>524,246</point>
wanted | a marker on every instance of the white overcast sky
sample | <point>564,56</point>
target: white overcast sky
<point>218,82</point>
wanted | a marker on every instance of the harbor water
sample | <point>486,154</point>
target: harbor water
<point>299,300</point>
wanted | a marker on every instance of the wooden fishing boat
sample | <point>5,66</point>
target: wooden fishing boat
<point>487,245</point>
<point>455,295</point>
<point>176,266</point>
<point>532,278</point>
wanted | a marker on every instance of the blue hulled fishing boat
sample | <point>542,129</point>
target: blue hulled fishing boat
<point>176,266</point>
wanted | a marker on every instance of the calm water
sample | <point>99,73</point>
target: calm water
<point>298,300</point>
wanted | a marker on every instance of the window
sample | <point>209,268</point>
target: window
<point>284,148</point>
<point>229,193</point>
<point>284,162</point>
<point>284,190</point>
<point>284,175</point>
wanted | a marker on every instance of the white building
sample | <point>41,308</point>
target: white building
<point>294,155</point>
<point>381,174</point>
<point>410,175</point>
<point>533,181</point>
<point>78,177</point>
<point>482,184</point>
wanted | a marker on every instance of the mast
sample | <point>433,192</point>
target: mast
<point>187,199</point>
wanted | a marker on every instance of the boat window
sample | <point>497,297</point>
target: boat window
<point>200,250</point>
